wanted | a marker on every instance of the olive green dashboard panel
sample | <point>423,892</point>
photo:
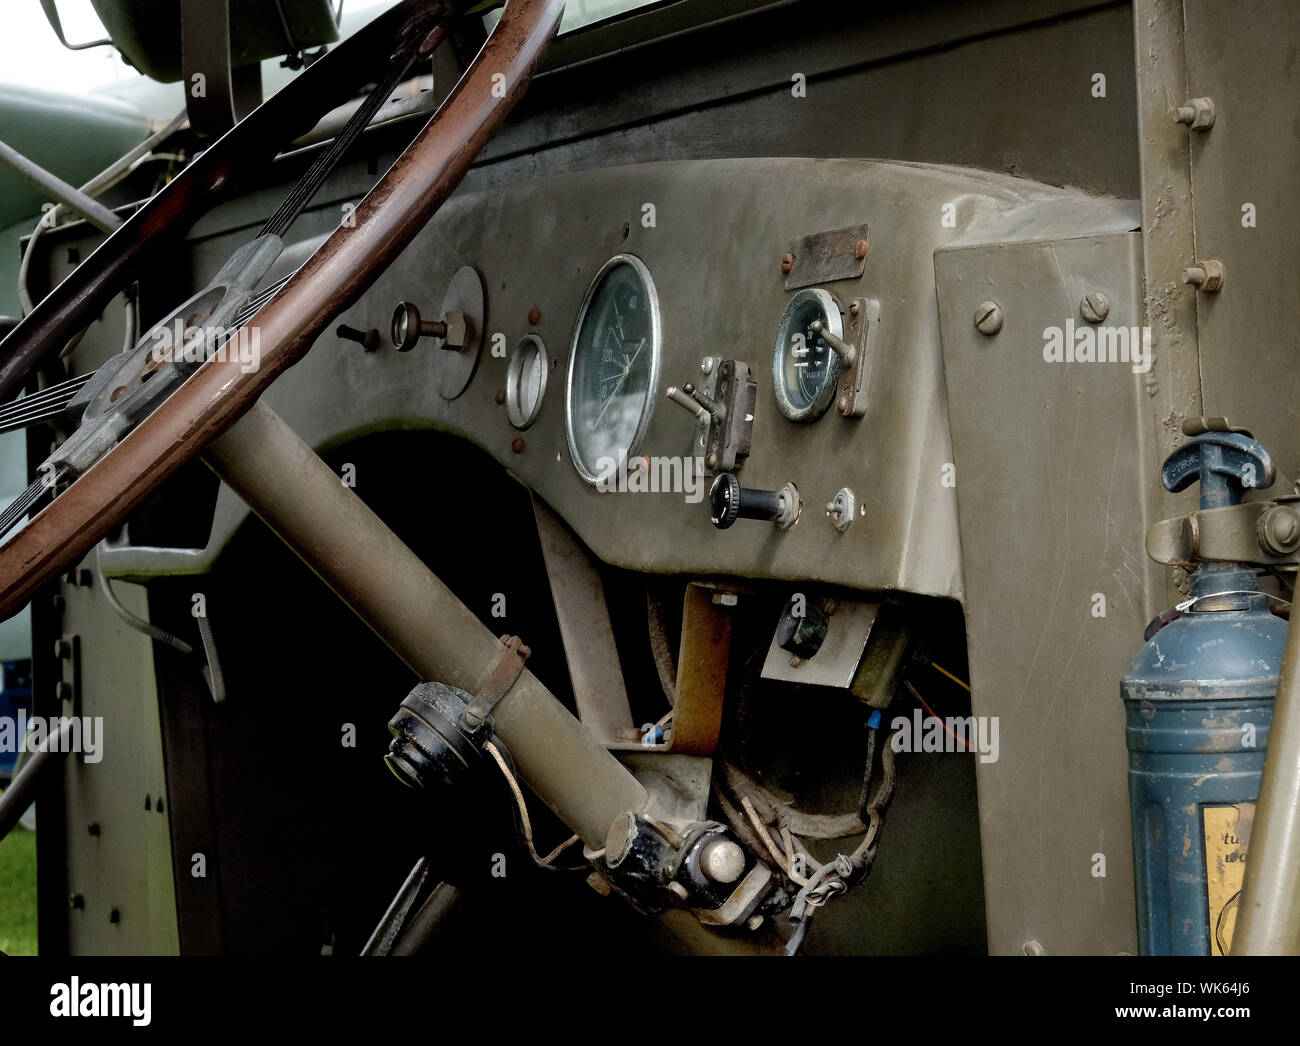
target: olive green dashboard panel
<point>712,236</point>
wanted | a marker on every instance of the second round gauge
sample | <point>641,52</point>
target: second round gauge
<point>614,368</point>
<point>526,376</point>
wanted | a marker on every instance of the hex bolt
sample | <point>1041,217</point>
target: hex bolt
<point>1094,307</point>
<point>1205,275</point>
<point>63,691</point>
<point>63,648</point>
<point>988,317</point>
<point>1196,113</point>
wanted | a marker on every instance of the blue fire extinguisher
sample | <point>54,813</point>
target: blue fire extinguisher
<point>1198,706</point>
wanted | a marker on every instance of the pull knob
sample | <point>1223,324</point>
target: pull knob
<point>408,328</point>
<point>1226,463</point>
<point>729,501</point>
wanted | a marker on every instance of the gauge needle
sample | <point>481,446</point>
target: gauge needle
<point>627,369</point>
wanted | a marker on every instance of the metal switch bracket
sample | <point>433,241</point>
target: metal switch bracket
<point>862,324</point>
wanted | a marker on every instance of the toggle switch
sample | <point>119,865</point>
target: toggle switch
<point>846,351</point>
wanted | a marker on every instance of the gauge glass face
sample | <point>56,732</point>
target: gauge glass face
<point>805,368</point>
<point>526,381</point>
<point>614,368</point>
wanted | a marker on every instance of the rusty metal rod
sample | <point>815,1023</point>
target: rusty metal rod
<point>1268,921</point>
<point>369,567</point>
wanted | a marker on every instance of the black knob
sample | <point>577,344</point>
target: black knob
<point>368,339</point>
<point>729,501</point>
<point>802,634</point>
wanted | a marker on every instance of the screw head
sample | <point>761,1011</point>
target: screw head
<point>1094,307</point>
<point>518,444</point>
<point>787,262</point>
<point>723,861</point>
<point>860,250</point>
<point>1279,530</point>
<point>534,316</point>
<point>988,317</point>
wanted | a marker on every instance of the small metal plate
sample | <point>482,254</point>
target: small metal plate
<point>825,257</point>
<point>837,660</point>
<point>455,368</point>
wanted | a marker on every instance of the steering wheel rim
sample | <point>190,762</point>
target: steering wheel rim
<point>336,276</point>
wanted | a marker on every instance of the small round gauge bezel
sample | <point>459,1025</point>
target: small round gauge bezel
<point>834,314</point>
<point>520,417</point>
<point>656,349</point>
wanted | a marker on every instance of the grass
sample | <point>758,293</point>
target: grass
<point>18,892</point>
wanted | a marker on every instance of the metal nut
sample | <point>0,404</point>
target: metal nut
<point>988,317</point>
<point>1094,307</point>
<point>1205,275</point>
<point>1197,113</point>
<point>457,330</point>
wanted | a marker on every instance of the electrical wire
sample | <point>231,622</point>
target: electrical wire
<point>542,862</point>
<point>960,682</point>
<point>942,722</point>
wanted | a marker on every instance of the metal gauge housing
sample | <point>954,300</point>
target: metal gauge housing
<point>613,368</point>
<point>526,376</point>
<point>804,368</point>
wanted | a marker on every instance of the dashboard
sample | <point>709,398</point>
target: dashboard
<point>662,354</point>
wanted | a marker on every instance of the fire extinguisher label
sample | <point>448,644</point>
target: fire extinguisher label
<point>1227,834</point>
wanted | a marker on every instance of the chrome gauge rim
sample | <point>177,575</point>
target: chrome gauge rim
<point>521,412</point>
<point>811,297</point>
<point>655,348</point>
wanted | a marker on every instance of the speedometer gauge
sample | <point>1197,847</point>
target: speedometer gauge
<point>804,367</point>
<point>613,368</point>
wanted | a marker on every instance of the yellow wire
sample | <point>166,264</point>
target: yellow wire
<point>961,683</point>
